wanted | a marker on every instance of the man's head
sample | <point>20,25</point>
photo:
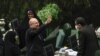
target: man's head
<point>66,26</point>
<point>79,23</point>
<point>33,23</point>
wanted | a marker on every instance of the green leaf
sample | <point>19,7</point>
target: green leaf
<point>49,9</point>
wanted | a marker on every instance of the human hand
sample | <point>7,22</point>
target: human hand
<point>49,19</point>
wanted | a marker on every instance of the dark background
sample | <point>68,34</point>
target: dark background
<point>70,9</point>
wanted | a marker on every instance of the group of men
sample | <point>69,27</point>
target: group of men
<point>88,44</point>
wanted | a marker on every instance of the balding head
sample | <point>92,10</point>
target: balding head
<point>34,23</point>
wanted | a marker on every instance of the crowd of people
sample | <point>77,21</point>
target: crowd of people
<point>30,33</point>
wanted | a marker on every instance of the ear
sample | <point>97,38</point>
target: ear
<point>79,24</point>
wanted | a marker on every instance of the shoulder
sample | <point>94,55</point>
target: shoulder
<point>87,30</point>
<point>29,30</point>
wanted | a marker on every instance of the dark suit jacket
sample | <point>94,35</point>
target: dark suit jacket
<point>87,42</point>
<point>11,50</point>
<point>34,41</point>
<point>21,31</point>
<point>10,47</point>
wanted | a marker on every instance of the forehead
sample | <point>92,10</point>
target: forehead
<point>33,20</point>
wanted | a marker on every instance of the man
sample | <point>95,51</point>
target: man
<point>87,38</point>
<point>34,37</point>
<point>11,47</point>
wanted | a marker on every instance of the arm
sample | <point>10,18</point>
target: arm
<point>34,32</point>
<point>31,33</point>
<point>42,27</point>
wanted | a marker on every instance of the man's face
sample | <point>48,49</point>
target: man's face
<point>34,23</point>
<point>78,26</point>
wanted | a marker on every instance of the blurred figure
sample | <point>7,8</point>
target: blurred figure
<point>34,37</point>
<point>88,43</point>
<point>10,46</point>
<point>6,26</point>
<point>1,44</point>
<point>30,13</point>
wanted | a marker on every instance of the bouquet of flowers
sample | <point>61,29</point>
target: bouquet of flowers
<point>49,9</point>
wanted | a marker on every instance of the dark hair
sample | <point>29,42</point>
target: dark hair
<point>34,13</point>
<point>24,23</point>
<point>14,24</point>
<point>80,20</point>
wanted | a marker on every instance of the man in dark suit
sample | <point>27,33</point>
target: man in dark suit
<point>34,38</point>
<point>87,38</point>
